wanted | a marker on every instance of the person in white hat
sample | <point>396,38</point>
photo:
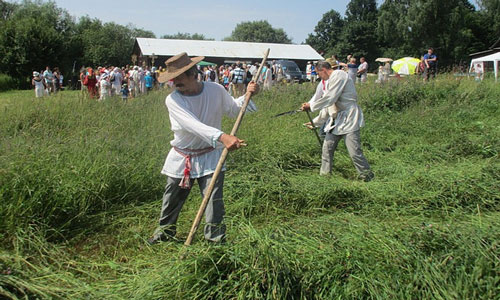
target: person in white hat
<point>39,84</point>
<point>195,110</point>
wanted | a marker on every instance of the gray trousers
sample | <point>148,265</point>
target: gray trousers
<point>174,198</point>
<point>353,144</point>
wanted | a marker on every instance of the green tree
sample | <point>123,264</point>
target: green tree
<point>6,10</point>
<point>185,36</point>
<point>444,25</point>
<point>489,19</point>
<point>258,31</point>
<point>108,43</point>
<point>358,37</point>
<point>326,33</point>
<point>452,27</point>
<point>32,37</point>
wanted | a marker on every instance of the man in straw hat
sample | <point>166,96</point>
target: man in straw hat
<point>340,91</point>
<point>195,110</point>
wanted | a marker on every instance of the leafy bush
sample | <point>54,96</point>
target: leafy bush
<point>7,83</point>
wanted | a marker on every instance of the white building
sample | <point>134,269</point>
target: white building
<point>147,50</point>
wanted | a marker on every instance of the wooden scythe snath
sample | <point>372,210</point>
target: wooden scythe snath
<point>222,159</point>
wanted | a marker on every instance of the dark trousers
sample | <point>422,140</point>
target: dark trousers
<point>174,198</point>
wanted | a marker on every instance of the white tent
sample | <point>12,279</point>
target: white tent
<point>495,58</point>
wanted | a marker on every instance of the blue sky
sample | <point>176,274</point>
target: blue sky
<point>214,19</point>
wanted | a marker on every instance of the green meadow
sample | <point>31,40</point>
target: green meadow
<point>80,192</point>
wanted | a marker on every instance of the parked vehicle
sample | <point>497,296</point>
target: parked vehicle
<point>291,72</point>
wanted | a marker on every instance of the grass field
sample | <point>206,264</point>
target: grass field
<point>80,192</point>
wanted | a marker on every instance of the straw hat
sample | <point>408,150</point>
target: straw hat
<point>332,62</point>
<point>176,65</point>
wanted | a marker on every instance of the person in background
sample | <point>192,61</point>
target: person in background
<point>124,92</point>
<point>268,78</point>
<point>314,74</point>
<point>206,74</point>
<point>133,82</point>
<point>55,82</point>
<point>478,69</point>
<point>83,88</point>
<point>142,82</point>
<point>226,75</point>
<point>253,69</point>
<point>149,82</point>
<point>308,70</point>
<point>49,80</point>
<point>430,60</point>
<point>115,78</point>
<point>104,85</point>
<point>39,84</point>
<point>422,68</point>
<point>61,80</point>
<point>352,69</point>
<point>90,81</point>
<point>238,80</point>
<point>362,70</point>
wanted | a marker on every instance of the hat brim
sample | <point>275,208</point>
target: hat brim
<point>166,76</point>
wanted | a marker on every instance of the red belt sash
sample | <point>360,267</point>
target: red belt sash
<point>187,154</point>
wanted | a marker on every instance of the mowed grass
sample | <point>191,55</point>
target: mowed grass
<point>80,191</point>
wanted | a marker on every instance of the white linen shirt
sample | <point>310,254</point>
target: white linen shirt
<point>196,122</point>
<point>325,113</point>
<point>340,91</point>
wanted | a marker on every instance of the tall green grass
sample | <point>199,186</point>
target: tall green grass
<point>80,190</point>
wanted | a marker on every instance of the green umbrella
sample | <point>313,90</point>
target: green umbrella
<point>205,63</point>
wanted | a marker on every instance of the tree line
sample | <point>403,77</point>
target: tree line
<point>398,28</point>
<point>38,34</point>
<point>34,34</point>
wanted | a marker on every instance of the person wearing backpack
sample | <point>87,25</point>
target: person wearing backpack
<point>212,77</point>
<point>238,76</point>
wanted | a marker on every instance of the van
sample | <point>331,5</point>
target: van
<point>291,72</point>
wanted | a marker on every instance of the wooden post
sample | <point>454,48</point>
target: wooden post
<point>222,159</point>
<point>153,57</point>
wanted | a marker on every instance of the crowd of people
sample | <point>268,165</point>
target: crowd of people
<point>132,81</point>
<point>127,82</point>
<point>234,77</point>
<point>357,72</point>
<point>47,81</point>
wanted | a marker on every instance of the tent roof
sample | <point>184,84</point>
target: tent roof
<point>491,57</point>
<point>167,47</point>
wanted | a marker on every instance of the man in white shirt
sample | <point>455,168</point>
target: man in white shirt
<point>322,119</point>
<point>195,111</point>
<point>308,70</point>
<point>340,91</point>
